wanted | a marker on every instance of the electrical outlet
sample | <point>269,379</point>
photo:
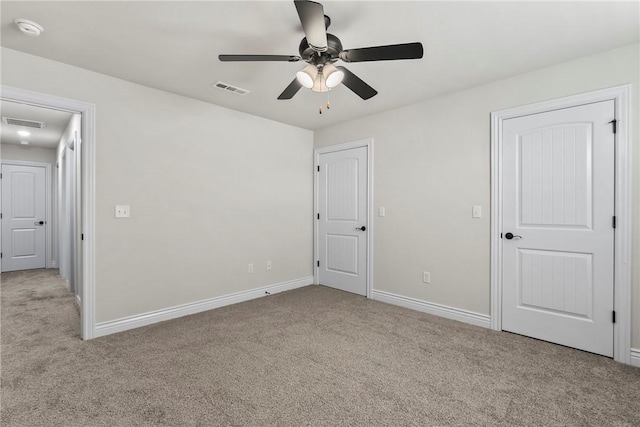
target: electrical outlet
<point>476,212</point>
<point>250,268</point>
<point>426,277</point>
<point>381,211</point>
<point>268,265</point>
<point>122,211</point>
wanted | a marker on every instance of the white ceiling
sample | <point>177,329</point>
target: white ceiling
<point>174,46</point>
<point>55,124</point>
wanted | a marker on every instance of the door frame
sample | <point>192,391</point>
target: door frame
<point>368,143</point>
<point>47,212</point>
<point>621,95</point>
<point>87,112</point>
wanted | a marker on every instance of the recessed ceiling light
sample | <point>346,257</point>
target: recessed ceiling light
<point>24,142</point>
<point>23,133</point>
<point>29,28</point>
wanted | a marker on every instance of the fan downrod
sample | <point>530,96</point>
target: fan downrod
<point>334,47</point>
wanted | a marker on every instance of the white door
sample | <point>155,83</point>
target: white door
<point>342,226</point>
<point>23,217</point>
<point>558,204</point>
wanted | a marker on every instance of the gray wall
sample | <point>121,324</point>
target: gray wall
<point>432,164</point>
<point>210,190</point>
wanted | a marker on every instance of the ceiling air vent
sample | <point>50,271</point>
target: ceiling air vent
<point>231,88</point>
<point>23,122</point>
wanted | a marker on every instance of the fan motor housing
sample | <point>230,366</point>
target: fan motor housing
<point>334,47</point>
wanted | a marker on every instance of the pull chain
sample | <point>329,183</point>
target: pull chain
<point>320,76</point>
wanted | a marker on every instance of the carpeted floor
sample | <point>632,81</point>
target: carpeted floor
<point>312,356</point>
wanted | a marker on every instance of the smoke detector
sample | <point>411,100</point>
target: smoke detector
<point>30,28</point>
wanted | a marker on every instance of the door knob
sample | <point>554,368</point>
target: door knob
<point>38,223</point>
<point>510,236</point>
<point>363,228</point>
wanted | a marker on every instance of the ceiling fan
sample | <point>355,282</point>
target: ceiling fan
<point>321,50</point>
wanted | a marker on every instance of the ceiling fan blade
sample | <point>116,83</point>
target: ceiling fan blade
<point>357,85</point>
<point>291,90</point>
<point>312,18</point>
<point>383,53</point>
<point>235,58</point>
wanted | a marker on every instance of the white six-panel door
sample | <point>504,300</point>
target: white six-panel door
<point>558,203</point>
<point>343,209</point>
<point>23,217</point>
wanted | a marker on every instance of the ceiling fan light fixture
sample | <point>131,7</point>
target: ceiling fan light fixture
<point>333,75</point>
<point>320,50</point>
<point>307,76</point>
<point>320,84</point>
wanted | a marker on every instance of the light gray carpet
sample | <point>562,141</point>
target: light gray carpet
<point>312,356</point>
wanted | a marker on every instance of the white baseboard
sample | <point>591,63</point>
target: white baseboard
<point>432,308</point>
<point>635,357</point>
<point>149,318</point>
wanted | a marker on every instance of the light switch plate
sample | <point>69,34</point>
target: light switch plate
<point>426,277</point>
<point>381,211</point>
<point>123,211</point>
<point>477,212</point>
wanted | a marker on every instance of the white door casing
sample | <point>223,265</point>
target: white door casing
<point>621,95</point>
<point>343,226</point>
<point>78,216</point>
<point>24,217</point>
<point>63,250</point>
<point>558,195</point>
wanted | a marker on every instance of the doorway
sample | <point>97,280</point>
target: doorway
<point>343,223</point>
<point>83,256</point>
<point>561,222</point>
<point>36,141</point>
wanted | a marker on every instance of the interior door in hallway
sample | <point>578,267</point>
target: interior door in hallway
<point>558,226</point>
<point>342,228</point>
<point>23,217</point>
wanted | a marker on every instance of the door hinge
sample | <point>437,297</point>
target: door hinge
<point>0,254</point>
<point>318,264</point>
<point>82,236</point>
<point>318,216</point>
<point>613,221</point>
<point>0,215</point>
<point>501,235</point>
<point>318,168</point>
<point>614,125</point>
<point>613,316</point>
